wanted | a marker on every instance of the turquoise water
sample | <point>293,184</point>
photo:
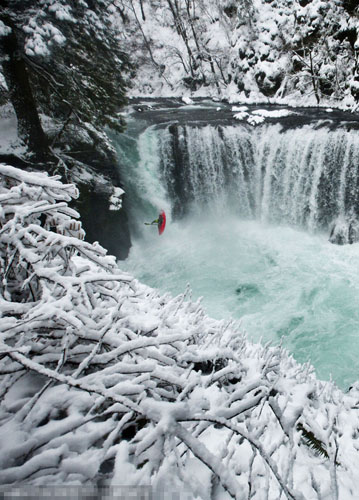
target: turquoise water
<point>280,283</point>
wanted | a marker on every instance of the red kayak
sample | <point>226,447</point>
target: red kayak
<point>161,222</point>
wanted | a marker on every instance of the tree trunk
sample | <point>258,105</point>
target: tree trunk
<point>314,78</point>
<point>17,79</point>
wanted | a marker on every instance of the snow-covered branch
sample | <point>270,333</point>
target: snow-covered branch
<point>103,378</point>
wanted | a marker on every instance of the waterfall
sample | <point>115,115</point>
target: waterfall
<point>305,177</point>
<point>261,202</point>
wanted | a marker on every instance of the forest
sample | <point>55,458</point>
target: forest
<point>303,51</point>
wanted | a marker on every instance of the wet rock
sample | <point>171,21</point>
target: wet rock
<point>344,230</point>
<point>247,290</point>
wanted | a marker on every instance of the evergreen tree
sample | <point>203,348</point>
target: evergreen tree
<point>62,58</point>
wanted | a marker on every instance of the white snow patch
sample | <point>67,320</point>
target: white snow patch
<point>276,113</point>
<point>116,198</point>
<point>255,120</point>
<point>187,100</point>
<point>4,30</point>
<point>9,140</point>
<point>239,109</point>
<point>241,116</point>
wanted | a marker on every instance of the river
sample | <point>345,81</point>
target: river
<point>249,211</point>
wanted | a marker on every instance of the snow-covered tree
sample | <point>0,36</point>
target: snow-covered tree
<point>254,49</point>
<point>105,382</point>
<point>63,59</point>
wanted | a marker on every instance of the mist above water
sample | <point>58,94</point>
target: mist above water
<point>249,214</point>
<point>281,283</point>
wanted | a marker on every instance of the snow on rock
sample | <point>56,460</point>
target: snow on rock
<point>145,390</point>
<point>255,120</point>
<point>274,113</point>
<point>116,198</point>
<point>187,100</point>
<point>241,116</point>
<point>239,109</point>
<point>259,115</point>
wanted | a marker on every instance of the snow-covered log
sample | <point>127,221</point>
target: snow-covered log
<point>104,381</point>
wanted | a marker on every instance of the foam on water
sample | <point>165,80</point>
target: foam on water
<point>281,283</point>
<point>242,191</point>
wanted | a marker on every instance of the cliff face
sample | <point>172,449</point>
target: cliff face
<point>93,169</point>
<point>102,205</point>
<point>295,51</point>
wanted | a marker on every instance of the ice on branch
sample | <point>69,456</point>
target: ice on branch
<point>104,381</point>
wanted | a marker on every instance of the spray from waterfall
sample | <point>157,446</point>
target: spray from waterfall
<point>250,211</point>
<point>303,177</point>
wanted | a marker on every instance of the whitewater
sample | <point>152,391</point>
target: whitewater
<point>248,232</point>
<point>282,284</point>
